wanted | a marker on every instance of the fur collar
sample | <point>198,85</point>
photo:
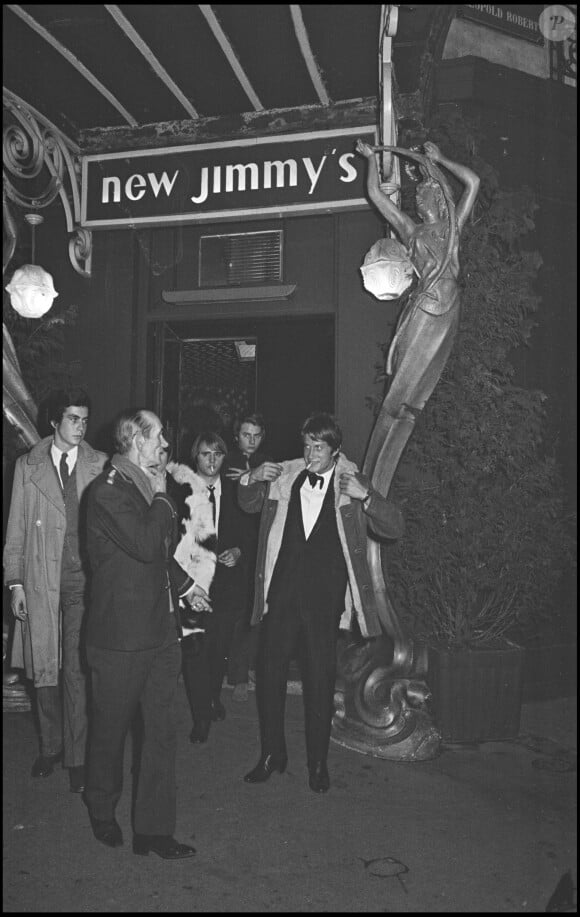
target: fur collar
<point>197,549</point>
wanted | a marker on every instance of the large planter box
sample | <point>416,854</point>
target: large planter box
<point>476,694</point>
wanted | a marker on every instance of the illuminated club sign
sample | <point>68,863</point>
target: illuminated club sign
<point>260,177</point>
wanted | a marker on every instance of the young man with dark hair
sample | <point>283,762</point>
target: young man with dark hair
<point>311,575</point>
<point>45,568</point>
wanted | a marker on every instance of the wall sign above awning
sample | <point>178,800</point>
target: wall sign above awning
<point>241,179</point>
<point>520,20</point>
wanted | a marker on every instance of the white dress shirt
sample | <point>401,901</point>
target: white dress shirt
<point>71,459</point>
<point>312,499</point>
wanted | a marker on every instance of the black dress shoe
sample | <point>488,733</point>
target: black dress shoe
<point>44,765</point>
<point>218,711</point>
<point>200,731</point>
<point>76,778</point>
<point>318,779</point>
<point>163,845</point>
<point>107,832</point>
<point>266,767</point>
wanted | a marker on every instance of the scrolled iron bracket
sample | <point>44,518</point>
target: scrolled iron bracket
<point>33,152</point>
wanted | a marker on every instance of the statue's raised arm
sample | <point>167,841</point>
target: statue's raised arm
<point>401,223</point>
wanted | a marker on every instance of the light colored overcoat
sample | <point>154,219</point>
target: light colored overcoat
<point>382,516</point>
<point>33,554</point>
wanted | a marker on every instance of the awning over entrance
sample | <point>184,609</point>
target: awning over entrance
<point>113,77</point>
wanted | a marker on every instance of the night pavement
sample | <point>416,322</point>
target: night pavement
<point>481,828</point>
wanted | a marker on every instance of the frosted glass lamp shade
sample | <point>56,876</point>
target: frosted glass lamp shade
<point>32,291</point>
<point>387,271</point>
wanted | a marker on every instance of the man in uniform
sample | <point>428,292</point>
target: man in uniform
<point>132,636</point>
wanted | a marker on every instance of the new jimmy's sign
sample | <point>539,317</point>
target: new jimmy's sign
<point>273,176</point>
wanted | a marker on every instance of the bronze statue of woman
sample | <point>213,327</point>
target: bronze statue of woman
<point>400,728</point>
<point>428,324</point>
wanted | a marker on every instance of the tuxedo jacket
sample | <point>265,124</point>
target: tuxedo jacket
<point>380,516</point>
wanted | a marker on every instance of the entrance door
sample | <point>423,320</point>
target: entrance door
<point>211,372</point>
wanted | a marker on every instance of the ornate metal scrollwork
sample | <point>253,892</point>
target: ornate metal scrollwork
<point>33,153</point>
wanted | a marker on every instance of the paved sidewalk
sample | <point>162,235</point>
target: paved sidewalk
<point>486,828</point>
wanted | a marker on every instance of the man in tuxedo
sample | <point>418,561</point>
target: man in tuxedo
<point>311,576</point>
<point>132,636</point>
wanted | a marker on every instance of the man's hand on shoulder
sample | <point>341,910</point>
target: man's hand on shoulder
<point>267,471</point>
<point>354,486</point>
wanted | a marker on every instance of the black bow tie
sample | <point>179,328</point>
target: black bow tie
<point>315,479</point>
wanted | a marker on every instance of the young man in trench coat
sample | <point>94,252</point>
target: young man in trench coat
<point>46,572</point>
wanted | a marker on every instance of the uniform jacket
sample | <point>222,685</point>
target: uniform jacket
<point>383,518</point>
<point>131,545</point>
<point>33,554</point>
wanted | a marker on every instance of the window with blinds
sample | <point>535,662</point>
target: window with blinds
<point>240,259</point>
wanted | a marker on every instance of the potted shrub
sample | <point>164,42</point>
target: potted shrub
<point>487,538</point>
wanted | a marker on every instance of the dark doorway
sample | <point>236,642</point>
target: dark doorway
<point>206,373</point>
